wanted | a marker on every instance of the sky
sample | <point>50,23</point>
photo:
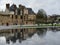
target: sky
<point>50,6</point>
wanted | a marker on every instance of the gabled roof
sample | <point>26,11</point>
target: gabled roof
<point>30,11</point>
<point>12,7</point>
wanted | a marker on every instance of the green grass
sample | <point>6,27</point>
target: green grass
<point>49,24</point>
<point>40,25</point>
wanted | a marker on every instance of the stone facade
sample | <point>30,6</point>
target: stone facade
<point>16,19</point>
<point>18,16</point>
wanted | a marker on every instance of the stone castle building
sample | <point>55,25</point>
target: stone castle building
<point>14,15</point>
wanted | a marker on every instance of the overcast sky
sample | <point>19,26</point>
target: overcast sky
<point>50,6</point>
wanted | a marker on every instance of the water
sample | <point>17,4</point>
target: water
<point>31,37</point>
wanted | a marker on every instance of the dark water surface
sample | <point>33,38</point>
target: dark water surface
<point>31,37</point>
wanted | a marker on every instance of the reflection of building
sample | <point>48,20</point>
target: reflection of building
<point>17,16</point>
<point>20,36</point>
<point>23,35</point>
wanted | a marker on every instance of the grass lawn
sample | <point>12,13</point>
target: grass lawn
<point>49,24</point>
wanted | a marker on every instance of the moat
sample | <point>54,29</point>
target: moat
<point>46,36</point>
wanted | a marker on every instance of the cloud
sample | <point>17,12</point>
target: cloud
<point>17,2</point>
<point>50,6</point>
<point>3,2</point>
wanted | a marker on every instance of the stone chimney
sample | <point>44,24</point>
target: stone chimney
<point>7,6</point>
<point>20,6</point>
<point>15,7</point>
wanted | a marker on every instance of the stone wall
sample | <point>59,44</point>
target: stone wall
<point>16,19</point>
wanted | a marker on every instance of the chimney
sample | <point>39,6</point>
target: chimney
<point>23,6</point>
<point>15,7</point>
<point>20,6</point>
<point>7,6</point>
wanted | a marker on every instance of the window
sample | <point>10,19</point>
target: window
<point>24,17</point>
<point>15,30</point>
<point>26,22</point>
<point>59,19</point>
<point>12,16</point>
<point>12,31</point>
<point>15,16</point>
<point>2,23</point>
<point>7,24</point>
<point>19,12</point>
<point>21,17</point>
<point>15,24</point>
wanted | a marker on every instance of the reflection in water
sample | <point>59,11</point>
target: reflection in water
<point>33,36</point>
<point>54,29</point>
<point>22,35</point>
<point>41,32</point>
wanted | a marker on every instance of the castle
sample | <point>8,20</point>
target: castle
<point>14,15</point>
